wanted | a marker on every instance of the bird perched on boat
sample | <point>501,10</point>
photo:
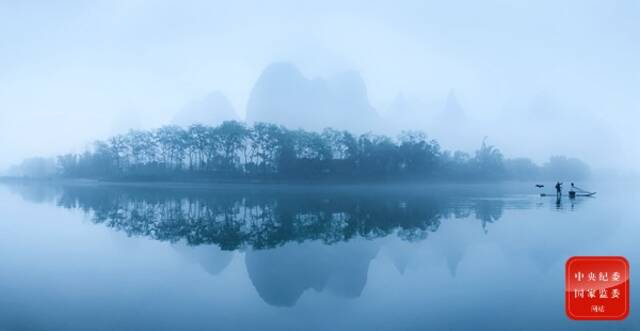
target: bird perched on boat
<point>539,185</point>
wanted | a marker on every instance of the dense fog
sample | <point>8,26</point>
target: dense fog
<point>535,78</point>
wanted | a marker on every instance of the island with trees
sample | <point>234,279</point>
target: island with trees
<point>235,151</point>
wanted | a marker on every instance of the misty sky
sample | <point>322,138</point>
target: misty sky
<point>536,77</point>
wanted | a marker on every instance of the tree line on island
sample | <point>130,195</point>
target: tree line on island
<point>263,151</point>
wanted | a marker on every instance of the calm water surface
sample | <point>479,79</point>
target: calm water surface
<point>98,257</point>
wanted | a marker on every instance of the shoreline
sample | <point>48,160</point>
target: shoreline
<point>218,184</point>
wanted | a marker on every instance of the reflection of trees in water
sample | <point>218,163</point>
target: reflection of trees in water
<point>308,227</point>
<point>35,193</point>
<point>488,211</point>
<point>261,218</point>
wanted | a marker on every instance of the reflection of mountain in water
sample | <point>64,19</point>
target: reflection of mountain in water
<point>281,275</point>
<point>212,259</point>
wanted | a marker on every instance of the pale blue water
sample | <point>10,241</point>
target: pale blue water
<point>478,257</point>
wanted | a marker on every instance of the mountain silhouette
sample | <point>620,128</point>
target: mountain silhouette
<point>452,109</point>
<point>211,110</point>
<point>282,95</point>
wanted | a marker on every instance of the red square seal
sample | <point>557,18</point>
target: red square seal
<point>597,288</point>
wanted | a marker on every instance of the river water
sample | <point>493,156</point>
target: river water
<point>78,256</point>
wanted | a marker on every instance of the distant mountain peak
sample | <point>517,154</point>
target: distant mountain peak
<point>452,109</point>
<point>453,105</point>
<point>212,109</point>
<point>283,95</point>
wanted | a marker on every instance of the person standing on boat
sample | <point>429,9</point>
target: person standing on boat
<point>558,189</point>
